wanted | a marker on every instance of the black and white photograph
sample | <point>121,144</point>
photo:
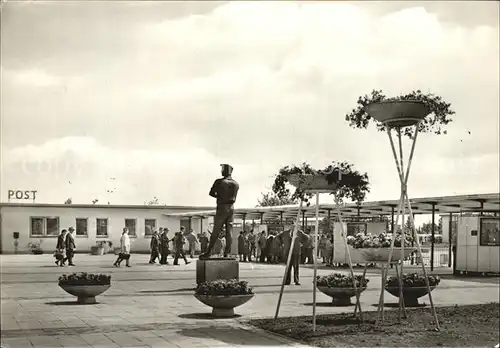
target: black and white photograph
<point>216,174</point>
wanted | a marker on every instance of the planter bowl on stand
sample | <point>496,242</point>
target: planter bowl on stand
<point>85,293</point>
<point>382,254</point>
<point>410,294</point>
<point>340,296</point>
<point>398,113</point>
<point>309,182</point>
<point>223,306</point>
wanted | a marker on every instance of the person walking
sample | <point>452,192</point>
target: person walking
<point>124,249</point>
<point>154,247</point>
<point>70,247</point>
<point>60,252</point>
<point>192,241</point>
<point>164,250</point>
<point>179,251</point>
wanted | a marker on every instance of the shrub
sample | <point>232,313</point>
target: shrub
<point>413,280</point>
<point>84,278</point>
<point>338,280</point>
<point>224,287</point>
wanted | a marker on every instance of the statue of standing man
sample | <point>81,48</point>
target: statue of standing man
<point>225,191</point>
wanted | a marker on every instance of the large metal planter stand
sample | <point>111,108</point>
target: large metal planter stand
<point>316,184</point>
<point>396,115</point>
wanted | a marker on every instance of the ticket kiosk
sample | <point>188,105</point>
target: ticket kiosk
<point>478,244</point>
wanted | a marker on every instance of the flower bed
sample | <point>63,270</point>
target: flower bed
<point>435,118</point>
<point>414,287</point>
<point>340,287</point>
<point>338,280</point>
<point>223,295</point>
<point>224,287</point>
<point>344,181</point>
<point>84,278</point>
<point>377,247</point>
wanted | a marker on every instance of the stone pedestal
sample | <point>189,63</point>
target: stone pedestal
<point>213,269</point>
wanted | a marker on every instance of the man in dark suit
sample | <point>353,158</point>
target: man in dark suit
<point>70,247</point>
<point>285,239</point>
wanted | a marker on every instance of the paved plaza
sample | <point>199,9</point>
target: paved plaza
<point>153,305</point>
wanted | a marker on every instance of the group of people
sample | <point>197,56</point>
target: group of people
<point>160,245</point>
<point>270,249</point>
<point>261,248</point>
<point>65,248</point>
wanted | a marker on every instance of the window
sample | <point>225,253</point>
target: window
<point>489,232</point>
<point>354,228</point>
<point>130,225</point>
<point>149,227</point>
<point>81,226</point>
<point>102,227</point>
<point>44,226</point>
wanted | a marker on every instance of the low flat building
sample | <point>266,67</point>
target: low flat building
<point>41,223</point>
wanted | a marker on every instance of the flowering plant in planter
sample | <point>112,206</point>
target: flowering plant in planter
<point>338,280</point>
<point>439,116</point>
<point>224,287</point>
<point>413,280</point>
<point>349,183</point>
<point>382,240</point>
<point>36,248</point>
<point>84,278</point>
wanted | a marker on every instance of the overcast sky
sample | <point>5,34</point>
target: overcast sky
<point>158,94</point>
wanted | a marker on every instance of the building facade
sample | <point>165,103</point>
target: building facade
<point>40,224</point>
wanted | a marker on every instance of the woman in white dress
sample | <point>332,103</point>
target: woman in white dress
<point>124,249</point>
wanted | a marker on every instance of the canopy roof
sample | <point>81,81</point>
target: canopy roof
<point>448,204</point>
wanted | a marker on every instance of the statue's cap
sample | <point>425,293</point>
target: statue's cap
<point>227,167</point>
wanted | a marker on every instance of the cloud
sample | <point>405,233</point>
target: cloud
<point>259,85</point>
<point>36,77</point>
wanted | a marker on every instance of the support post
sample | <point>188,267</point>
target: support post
<point>303,221</point>
<point>405,202</point>
<point>315,260</point>
<point>287,268</point>
<point>433,234</point>
<point>281,219</point>
<point>190,225</point>
<point>392,221</point>
<point>201,223</point>
<point>261,219</point>
<point>450,236</point>
<point>244,222</point>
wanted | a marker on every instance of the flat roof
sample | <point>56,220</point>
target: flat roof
<point>442,205</point>
<point>108,206</point>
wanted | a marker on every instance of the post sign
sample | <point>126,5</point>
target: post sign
<point>22,194</point>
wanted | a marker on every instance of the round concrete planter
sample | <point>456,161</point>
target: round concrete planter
<point>311,182</point>
<point>223,306</point>
<point>400,113</point>
<point>85,293</point>
<point>340,296</point>
<point>410,294</point>
<point>382,254</point>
